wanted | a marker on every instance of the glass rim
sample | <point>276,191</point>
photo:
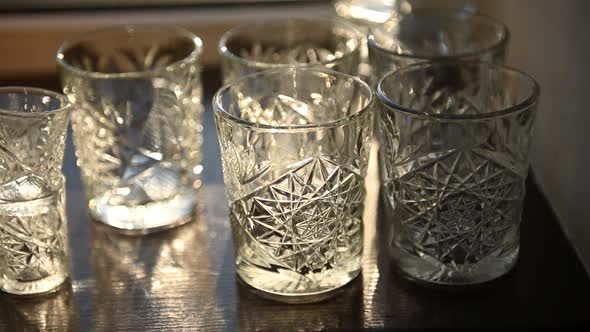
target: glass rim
<point>225,52</point>
<point>64,102</point>
<point>448,13</point>
<point>528,102</point>
<point>222,112</point>
<point>125,29</point>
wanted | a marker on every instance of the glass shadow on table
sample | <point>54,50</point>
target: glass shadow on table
<point>149,281</point>
<point>53,311</point>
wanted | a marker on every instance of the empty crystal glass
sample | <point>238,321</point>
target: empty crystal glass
<point>440,34</point>
<point>294,145</point>
<point>33,228</point>
<point>324,43</point>
<point>136,92</point>
<point>454,151</point>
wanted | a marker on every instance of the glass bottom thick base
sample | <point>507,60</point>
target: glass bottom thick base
<point>290,287</point>
<point>428,272</point>
<point>45,285</point>
<point>147,218</point>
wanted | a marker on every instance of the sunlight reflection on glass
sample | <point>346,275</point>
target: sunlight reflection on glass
<point>370,267</point>
<point>161,267</point>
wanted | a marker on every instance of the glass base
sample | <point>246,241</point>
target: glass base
<point>295,299</point>
<point>45,285</point>
<point>146,218</point>
<point>429,272</point>
<point>290,287</point>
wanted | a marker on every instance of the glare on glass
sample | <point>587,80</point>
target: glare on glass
<point>368,12</point>
<point>136,92</point>
<point>33,229</point>
<point>429,34</point>
<point>318,42</point>
<point>294,145</point>
<point>454,152</point>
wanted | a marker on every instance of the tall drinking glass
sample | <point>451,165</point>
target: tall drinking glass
<point>274,44</point>
<point>33,228</point>
<point>454,151</point>
<point>136,92</point>
<point>294,146</point>
<point>441,34</point>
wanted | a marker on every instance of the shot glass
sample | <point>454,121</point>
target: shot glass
<point>136,93</point>
<point>294,145</point>
<point>434,35</point>
<point>454,152</point>
<point>275,44</point>
<point>33,228</point>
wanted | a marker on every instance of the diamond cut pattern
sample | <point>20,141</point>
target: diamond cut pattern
<point>303,218</point>
<point>33,242</point>
<point>31,150</point>
<point>138,139</point>
<point>31,250</point>
<point>453,171</point>
<point>32,220</point>
<point>459,208</point>
<point>295,192</point>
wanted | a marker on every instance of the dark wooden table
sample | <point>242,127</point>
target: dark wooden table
<point>183,279</point>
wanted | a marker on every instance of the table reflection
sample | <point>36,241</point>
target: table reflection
<point>51,312</point>
<point>149,280</point>
<point>341,310</point>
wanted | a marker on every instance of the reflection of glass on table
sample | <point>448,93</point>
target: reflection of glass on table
<point>53,312</point>
<point>154,275</point>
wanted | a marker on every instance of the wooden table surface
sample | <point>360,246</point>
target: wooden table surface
<point>183,279</point>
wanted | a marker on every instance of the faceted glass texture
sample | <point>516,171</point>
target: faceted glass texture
<point>454,141</point>
<point>136,93</point>
<point>439,34</point>
<point>323,43</point>
<point>294,146</point>
<point>33,229</point>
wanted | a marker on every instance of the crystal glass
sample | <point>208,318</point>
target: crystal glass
<point>294,145</point>
<point>441,34</point>
<point>367,12</point>
<point>364,14</point>
<point>136,92</point>
<point>33,229</point>
<point>318,42</point>
<point>454,151</point>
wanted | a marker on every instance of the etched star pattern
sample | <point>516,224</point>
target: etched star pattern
<point>304,219</point>
<point>459,207</point>
<point>32,246</point>
<point>23,143</point>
